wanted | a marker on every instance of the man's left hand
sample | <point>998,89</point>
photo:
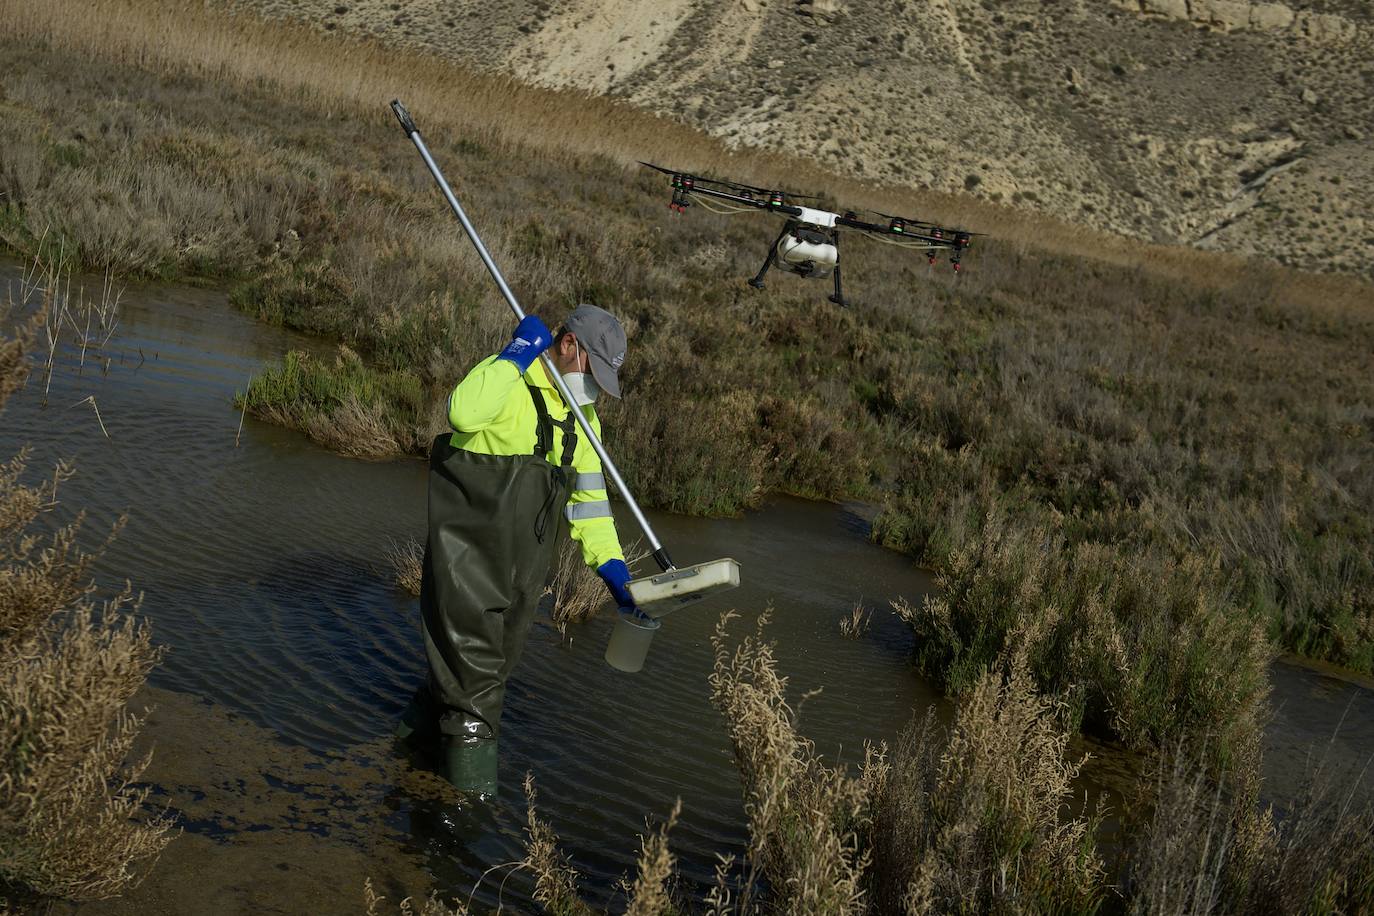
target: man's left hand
<point>616,575</point>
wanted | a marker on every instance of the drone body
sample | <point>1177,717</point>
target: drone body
<point>809,243</point>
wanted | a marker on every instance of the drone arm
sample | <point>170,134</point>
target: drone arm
<point>747,201</point>
<point>850,222</point>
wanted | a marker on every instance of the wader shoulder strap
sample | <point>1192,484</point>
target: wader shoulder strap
<point>543,441</point>
<point>543,426</point>
<point>543,436</point>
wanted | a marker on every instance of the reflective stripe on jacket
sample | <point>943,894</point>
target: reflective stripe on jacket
<point>490,419</point>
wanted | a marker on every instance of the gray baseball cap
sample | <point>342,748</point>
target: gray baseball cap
<point>601,335</point>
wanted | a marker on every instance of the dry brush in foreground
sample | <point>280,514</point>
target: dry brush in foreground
<point>73,821</point>
<point>978,818</point>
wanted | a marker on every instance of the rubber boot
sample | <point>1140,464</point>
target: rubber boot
<point>467,752</point>
<point>469,764</point>
<point>418,722</point>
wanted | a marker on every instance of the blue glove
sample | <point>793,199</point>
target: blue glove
<point>531,338</point>
<point>616,575</point>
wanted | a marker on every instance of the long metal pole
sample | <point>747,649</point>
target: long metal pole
<point>660,554</point>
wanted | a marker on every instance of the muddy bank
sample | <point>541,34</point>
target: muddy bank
<point>270,827</point>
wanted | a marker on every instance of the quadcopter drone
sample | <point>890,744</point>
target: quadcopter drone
<point>809,243</point>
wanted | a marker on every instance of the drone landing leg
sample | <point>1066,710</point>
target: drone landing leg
<point>757,282</point>
<point>838,297</point>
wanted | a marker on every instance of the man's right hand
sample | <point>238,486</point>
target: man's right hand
<point>531,338</point>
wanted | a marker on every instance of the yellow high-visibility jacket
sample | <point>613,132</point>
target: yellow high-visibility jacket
<point>491,414</point>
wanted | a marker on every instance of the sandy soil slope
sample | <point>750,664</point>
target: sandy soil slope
<point>1234,125</point>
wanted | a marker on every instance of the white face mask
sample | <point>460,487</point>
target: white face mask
<point>581,385</point>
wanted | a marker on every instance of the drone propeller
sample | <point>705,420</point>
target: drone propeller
<point>766,191</point>
<point>898,223</point>
<point>746,189</point>
<point>908,220</point>
<point>658,168</point>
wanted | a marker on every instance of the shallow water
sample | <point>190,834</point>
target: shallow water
<point>263,569</point>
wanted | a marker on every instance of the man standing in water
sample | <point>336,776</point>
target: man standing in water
<point>499,488</point>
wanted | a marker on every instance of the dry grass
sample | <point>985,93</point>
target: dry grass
<point>577,591</point>
<point>977,818</point>
<point>857,622</point>
<point>73,821</point>
<point>1192,425</point>
<point>807,820</point>
<point>1209,848</point>
<point>430,906</point>
<point>406,559</point>
<point>649,895</point>
<point>969,822</point>
<point>556,888</point>
<point>555,880</point>
<point>975,821</point>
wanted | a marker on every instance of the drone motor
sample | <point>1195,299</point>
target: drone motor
<point>806,252</point>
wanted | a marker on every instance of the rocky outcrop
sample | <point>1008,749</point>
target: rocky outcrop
<point>1237,15</point>
<point>1271,17</point>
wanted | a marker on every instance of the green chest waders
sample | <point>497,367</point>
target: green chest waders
<point>494,522</point>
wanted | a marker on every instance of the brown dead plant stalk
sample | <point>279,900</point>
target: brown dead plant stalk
<point>406,559</point>
<point>577,591</point>
<point>857,622</point>
<point>431,906</point>
<point>975,822</point>
<point>72,820</point>
<point>806,819</point>
<point>969,821</point>
<point>649,895</point>
<point>1210,847</point>
<point>555,880</point>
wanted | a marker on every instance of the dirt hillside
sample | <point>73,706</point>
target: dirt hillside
<point>1218,123</point>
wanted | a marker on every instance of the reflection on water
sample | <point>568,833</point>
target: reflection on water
<point>263,567</point>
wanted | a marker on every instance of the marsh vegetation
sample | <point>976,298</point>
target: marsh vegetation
<point>978,817</point>
<point>1161,446</point>
<point>74,819</point>
<point>1138,472</point>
